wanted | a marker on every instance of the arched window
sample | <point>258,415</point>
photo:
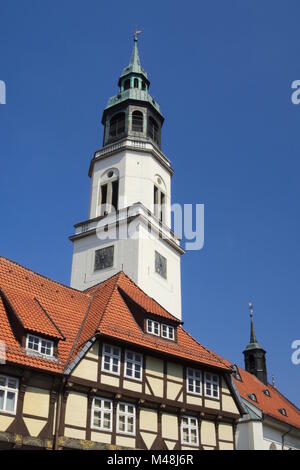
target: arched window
<point>136,83</point>
<point>153,130</point>
<point>126,84</point>
<point>109,192</point>
<point>117,125</point>
<point>137,121</point>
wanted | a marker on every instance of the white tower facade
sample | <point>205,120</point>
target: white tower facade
<point>129,223</point>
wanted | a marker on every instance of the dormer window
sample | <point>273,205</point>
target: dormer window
<point>153,327</point>
<point>283,411</point>
<point>167,332</point>
<point>267,392</point>
<point>38,345</point>
<point>236,372</point>
<point>252,397</point>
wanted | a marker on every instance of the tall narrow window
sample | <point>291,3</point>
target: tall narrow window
<point>136,83</point>
<point>115,194</point>
<point>126,418</point>
<point>8,394</point>
<point>102,414</point>
<point>194,385</point>
<point>133,365</point>
<point>211,385</point>
<point>189,431</point>
<point>159,201</point>
<point>117,125</point>
<point>111,357</point>
<point>153,130</point>
<point>137,121</point>
<point>108,197</point>
<point>126,84</point>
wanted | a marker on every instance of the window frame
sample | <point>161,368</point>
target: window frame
<point>189,426</point>
<point>149,320</point>
<point>134,363</point>
<point>102,411</point>
<point>127,415</point>
<point>212,383</point>
<point>194,378</point>
<point>169,328</point>
<point>40,340</point>
<point>112,356</point>
<point>6,389</point>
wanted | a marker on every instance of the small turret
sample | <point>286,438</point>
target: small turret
<point>255,355</point>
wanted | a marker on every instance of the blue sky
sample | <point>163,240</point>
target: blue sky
<point>222,73</point>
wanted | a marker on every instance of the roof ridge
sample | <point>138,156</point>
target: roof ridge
<point>49,317</point>
<point>141,290</point>
<point>41,275</point>
<point>109,298</point>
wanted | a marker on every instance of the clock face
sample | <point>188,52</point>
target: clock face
<point>161,265</point>
<point>104,258</point>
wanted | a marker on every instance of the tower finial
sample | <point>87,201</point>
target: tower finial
<point>251,309</point>
<point>252,334</point>
<point>136,34</point>
<point>273,381</point>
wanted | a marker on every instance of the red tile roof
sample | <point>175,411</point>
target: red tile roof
<point>269,405</point>
<point>73,317</point>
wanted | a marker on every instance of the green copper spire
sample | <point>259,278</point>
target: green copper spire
<point>253,344</point>
<point>134,66</point>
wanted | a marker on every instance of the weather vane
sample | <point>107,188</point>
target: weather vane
<point>136,33</point>
<point>251,309</point>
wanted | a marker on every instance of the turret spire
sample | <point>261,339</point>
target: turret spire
<point>255,361</point>
<point>252,333</point>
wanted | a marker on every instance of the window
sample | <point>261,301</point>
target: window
<point>117,125</point>
<point>194,379</point>
<point>160,265</point>
<point>137,121</point>
<point>267,392</point>
<point>136,83</point>
<point>153,130</point>
<point>133,365</point>
<point>108,197</point>
<point>126,84</point>
<point>104,258</point>
<point>126,418</point>
<point>283,411</point>
<point>39,345</point>
<point>159,201</point>
<point>252,396</point>
<point>211,385</point>
<point>167,332</point>
<point>236,372</point>
<point>153,327</point>
<point>189,430</point>
<point>8,394</point>
<point>111,359</point>
<point>102,414</point>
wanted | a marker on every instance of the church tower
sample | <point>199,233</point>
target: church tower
<point>255,355</point>
<point>129,223</point>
